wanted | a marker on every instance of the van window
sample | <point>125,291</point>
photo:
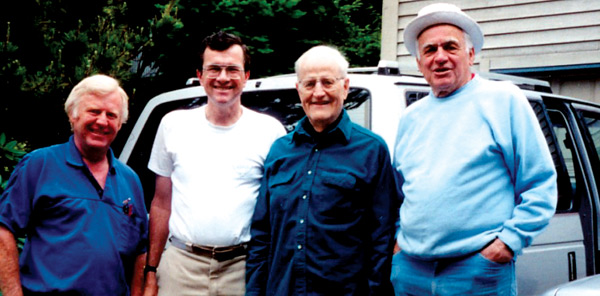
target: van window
<point>565,162</point>
<point>413,96</point>
<point>285,105</point>
<point>592,122</point>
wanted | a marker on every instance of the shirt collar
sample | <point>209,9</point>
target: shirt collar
<point>474,81</point>
<point>74,157</point>
<point>340,131</point>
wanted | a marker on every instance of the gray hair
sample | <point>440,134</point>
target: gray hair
<point>321,53</point>
<point>99,85</point>
<point>468,43</point>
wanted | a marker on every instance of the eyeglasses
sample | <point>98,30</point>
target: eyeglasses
<point>232,72</point>
<point>326,82</point>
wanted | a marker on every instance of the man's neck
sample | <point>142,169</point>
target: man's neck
<point>223,115</point>
<point>98,166</point>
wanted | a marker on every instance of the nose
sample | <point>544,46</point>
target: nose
<point>223,75</point>
<point>102,119</point>
<point>441,55</point>
<point>319,91</point>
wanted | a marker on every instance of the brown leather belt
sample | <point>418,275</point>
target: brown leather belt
<point>217,253</point>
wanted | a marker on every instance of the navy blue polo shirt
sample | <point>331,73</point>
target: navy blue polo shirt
<point>325,215</point>
<point>81,239</point>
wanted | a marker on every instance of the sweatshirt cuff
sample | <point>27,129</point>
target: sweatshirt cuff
<point>512,240</point>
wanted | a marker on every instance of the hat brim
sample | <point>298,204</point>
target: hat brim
<point>419,24</point>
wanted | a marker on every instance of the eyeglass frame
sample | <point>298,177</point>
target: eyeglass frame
<point>227,68</point>
<point>302,83</point>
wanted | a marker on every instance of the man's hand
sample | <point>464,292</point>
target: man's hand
<point>498,252</point>
<point>150,284</point>
<point>396,248</point>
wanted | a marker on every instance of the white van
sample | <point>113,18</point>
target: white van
<point>569,249</point>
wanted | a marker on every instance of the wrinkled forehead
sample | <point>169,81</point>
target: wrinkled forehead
<point>449,29</point>
<point>440,34</point>
<point>317,66</point>
<point>440,42</point>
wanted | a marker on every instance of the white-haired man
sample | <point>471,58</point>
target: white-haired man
<point>324,219</point>
<point>82,210</point>
<point>478,179</point>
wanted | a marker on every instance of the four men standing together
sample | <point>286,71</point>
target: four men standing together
<point>250,211</point>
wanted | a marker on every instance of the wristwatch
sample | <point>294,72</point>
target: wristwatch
<point>149,268</point>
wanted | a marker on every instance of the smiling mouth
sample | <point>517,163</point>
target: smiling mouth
<point>99,131</point>
<point>321,103</point>
<point>99,134</point>
<point>223,85</point>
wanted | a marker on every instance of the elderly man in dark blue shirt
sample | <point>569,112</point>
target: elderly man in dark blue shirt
<point>324,219</point>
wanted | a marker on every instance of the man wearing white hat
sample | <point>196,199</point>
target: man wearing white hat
<point>478,179</point>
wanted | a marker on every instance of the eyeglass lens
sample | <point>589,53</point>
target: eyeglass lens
<point>232,72</point>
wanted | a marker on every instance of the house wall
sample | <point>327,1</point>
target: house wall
<point>558,41</point>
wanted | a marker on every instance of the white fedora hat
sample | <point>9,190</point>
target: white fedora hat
<point>441,13</point>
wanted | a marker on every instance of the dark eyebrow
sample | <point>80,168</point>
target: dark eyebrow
<point>447,42</point>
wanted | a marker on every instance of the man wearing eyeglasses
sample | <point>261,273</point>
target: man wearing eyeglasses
<point>324,219</point>
<point>208,163</point>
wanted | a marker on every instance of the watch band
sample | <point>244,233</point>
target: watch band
<point>149,268</point>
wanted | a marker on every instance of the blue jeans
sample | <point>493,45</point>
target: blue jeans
<point>468,275</point>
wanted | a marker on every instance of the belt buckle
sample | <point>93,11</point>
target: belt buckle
<point>189,246</point>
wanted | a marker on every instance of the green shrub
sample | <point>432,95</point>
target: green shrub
<point>10,154</point>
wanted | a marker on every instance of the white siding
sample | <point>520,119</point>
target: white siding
<point>519,34</point>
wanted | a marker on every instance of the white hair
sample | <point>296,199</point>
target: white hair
<point>323,53</point>
<point>96,84</point>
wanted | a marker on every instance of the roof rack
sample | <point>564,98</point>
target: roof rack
<point>194,81</point>
<point>385,67</point>
<point>522,82</point>
<point>393,68</point>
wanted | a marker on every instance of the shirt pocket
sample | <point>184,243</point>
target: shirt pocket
<point>281,189</point>
<point>339,181</point>
<point>130,234</point>
<point>340,195</point>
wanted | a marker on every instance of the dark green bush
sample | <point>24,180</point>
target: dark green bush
<point>10,154</point>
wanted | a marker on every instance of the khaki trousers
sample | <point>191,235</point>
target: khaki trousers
<point>183,273</point>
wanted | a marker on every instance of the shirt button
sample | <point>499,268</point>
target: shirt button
<point>316,149</point>
<point>299,247</point>
<point>301,221</point>
<point>304,196</point>
<point>310,172</point>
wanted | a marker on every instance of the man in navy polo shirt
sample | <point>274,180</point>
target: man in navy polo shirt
<point>81,209</point>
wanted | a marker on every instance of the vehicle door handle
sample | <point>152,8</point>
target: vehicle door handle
<point>572,266</point>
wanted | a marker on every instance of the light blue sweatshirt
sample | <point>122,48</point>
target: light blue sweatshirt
<point>476,166</point>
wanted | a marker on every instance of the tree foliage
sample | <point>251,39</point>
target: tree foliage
<point>151,47</point>
<point>278,31</point>
<point>50,45</point>
<point>10,154</point>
